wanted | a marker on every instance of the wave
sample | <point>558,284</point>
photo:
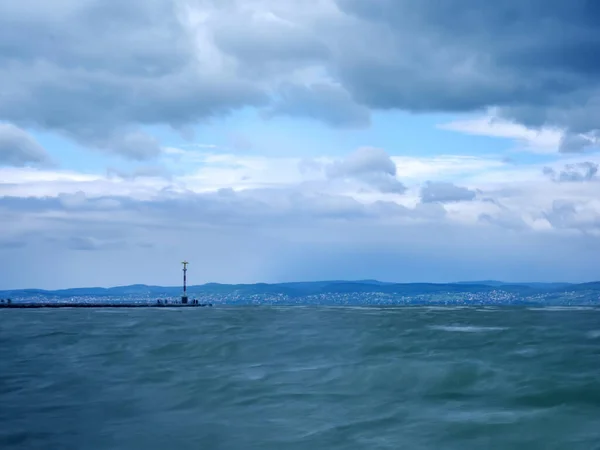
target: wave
<point>467,328</point>
<point>564,308</point>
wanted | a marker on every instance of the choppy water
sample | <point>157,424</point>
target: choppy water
<point>300,378</point>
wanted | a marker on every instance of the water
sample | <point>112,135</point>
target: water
<point>300,378</point>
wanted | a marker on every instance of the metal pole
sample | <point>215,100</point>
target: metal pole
<point>184,298</point>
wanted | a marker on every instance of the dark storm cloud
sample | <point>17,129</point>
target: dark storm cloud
<point>537,60</point>
<point>327,103</point>
<point>260,43</point>
<point>578,172</point>
<point>99,71</point>
<point>571,143</point>
<point>18,148</point>
<point>443,192</point>
<point>134,37</point>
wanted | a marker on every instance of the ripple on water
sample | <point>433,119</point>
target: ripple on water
<point>467,328</point>
<point>296,378</point>
<point>593,334</point>
<point>564,308</point>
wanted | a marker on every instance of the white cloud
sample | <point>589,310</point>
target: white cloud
<point>278,218</point>
<point>443,167</point>
<point>524,190</point>
<point>545,140</point>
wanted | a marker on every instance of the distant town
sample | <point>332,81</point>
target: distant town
<point>367,292</point>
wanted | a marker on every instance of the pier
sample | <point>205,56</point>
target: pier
<point>185,302</point>
<point>38,305</point>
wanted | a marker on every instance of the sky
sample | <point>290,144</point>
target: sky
<point>287,140</point>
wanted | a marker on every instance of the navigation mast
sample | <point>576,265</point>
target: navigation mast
<point>184,297</point>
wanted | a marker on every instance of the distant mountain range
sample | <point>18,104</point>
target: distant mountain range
<point>311,288</point>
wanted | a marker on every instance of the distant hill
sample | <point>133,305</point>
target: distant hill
<point>502,283</point>
<point>299,289</point>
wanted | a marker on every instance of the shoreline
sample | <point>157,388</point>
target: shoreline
<point>101,305</point>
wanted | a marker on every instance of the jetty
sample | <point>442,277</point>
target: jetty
<point>37,305</point>
<point>183,302</point>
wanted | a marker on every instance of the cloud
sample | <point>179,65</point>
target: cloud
<point>115,223</point>
<point>466,57</point>
<point>133,145</point>
<point>274,235</point>
<point>18,148</point>
<point>363,161</point>
<point>328,103</point>
<point>371,166</point>
<point>575,215</point>
<point>442,167</point>
<point>443,192</point>
<point>105,74</point>
<point>248,218</point>
<point>505,220</point>
<point>545,140</point>
<point>576,143</point>
<point>180,63</point>
<point>140,172</point>
<point>264,41</point>
<point>577,172</point>
<point>64,72</point>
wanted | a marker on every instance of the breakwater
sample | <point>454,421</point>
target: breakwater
<point>100,305</point>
